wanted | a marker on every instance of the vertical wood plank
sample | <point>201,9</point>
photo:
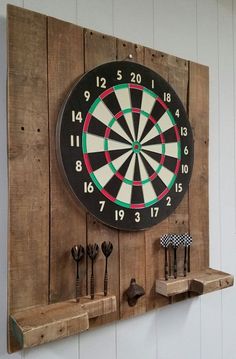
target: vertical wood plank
<point>198,189</point>
<point>28,160</point>
<point>158,62</point>
<point>179,219</point>
<point>99,49</point>
<point>3,180</point>
<point>132,244</point>
<point>175,71</point>
<point>68,220</point>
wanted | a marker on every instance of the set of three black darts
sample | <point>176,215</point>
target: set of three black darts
<point>174,241</point>
<point>78,253</point>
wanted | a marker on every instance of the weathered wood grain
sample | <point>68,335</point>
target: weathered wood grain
<point>132,245</point>
<point>211,280</point>
<point>101,48</point>
<point>99,306</point>
<point>67,218</point>
<point>44,324</point>
<point>179,219</point>
<point>28,158</point>
<point>202,282</point>
<point>126,48</point>
<point>41,208</point>
<point>157,61</point>
<point>172,287</point>
<point>198,189</point>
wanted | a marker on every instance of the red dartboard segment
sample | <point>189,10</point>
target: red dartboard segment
<point>128,146</point>
<point>106,93</point>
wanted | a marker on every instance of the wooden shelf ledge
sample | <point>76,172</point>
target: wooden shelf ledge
<point>100,305</point>
<point>200,283</point>
<point>43,324</point>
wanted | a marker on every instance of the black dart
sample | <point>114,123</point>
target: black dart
<point>77,253</point>
<point>175,242</point>
<point>107,248</point>
<point>92,252</point>
<point>165,242</point>
<point>186,241</point>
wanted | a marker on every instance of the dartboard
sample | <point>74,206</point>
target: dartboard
<point>125,145</point>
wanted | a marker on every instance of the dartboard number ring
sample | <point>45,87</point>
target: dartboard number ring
<point>125,145</point>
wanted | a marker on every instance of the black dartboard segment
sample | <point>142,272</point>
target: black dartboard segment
<point>125,145</point>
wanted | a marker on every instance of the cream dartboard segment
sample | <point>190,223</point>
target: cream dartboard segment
<point>125,145</point>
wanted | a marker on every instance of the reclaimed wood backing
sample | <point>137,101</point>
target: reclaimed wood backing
<point>132,244</point>
<point>101,48</point>
<point>198,189</point>
<point>45,57</point>
<point>67,222</point>
<point>28,249</point>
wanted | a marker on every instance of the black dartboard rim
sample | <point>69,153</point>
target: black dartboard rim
<point>132,169</point>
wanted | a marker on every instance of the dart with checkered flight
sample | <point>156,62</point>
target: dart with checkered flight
<point>165,242</point>
<point>186,242</point>
<point>176,241</point>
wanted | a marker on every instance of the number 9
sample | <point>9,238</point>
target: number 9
<point>87,95</point>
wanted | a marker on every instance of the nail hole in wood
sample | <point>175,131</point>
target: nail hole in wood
<point>42,336</point>
<point>103,36</point>
<point>38,129</point>
<point>136,46</point>
<point>22,128</point>
<point>91,33</point>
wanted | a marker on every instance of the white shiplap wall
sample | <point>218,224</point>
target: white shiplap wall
<point>199,30</point>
